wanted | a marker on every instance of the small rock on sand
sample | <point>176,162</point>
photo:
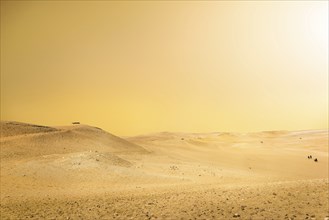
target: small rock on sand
<point>236,215</point>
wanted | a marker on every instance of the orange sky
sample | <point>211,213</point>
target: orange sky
<point>139,67</point>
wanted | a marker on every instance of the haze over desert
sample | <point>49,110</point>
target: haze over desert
<point>164,110</point>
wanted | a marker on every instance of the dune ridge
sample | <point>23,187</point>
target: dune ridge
<point>21,140</point>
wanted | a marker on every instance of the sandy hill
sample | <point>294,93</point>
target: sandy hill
<point>21,140</point>
<point>10,128</point>
<point>66,156</point>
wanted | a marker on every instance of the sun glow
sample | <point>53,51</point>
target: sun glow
<point>317,23</point>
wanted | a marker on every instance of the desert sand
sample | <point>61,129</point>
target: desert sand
<point>84,172</point>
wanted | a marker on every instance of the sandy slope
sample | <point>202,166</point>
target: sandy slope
<point>84,172</point>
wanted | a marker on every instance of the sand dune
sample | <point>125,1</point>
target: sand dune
<point>20,140</point>
<point>79,171</point>
<point>17,128</point>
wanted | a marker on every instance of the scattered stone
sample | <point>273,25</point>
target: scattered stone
<point>173,167</point>
<point>236,215</point>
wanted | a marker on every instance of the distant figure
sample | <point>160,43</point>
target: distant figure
<point>75,123</point>
<point>261,142</point>
<point>316,160</point>
<point>310,156</point>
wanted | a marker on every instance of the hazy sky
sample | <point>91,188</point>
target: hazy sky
<point>139,67</point>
